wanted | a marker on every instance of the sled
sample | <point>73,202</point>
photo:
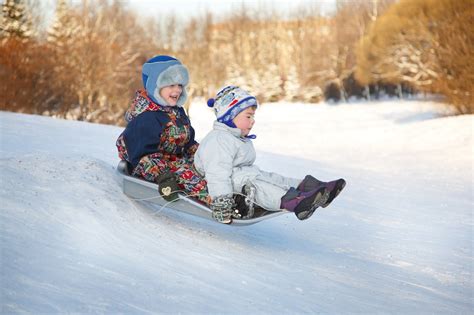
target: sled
<point>142,190</point>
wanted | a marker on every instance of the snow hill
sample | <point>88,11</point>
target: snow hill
<point>398,240</point>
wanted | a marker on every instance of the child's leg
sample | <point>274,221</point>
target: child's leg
<point>268,195</point>
<point>191,182</point>
<point>153,165</point>
<point>270,187</point>
<point>150,167</point>
<point>279,180</point>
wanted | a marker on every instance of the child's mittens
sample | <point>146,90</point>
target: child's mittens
<point>222,208</point>
<point>168,186</point>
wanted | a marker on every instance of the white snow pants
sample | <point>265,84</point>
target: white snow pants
<point>270,187</point>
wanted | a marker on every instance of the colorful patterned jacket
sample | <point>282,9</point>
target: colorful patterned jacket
<point>153,129</point>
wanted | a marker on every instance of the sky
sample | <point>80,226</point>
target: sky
<point>185,9</point>
<point>397,240</point>
<point>188,8</point>
<point>192,8</point>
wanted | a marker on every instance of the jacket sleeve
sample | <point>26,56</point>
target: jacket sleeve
<point>217,158</point>
<point>142,136</point>
<point>191,150</point>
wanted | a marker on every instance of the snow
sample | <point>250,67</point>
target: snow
<point>399,239</point>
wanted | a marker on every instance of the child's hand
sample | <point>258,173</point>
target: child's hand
<point>168,186</point>
<point>222,208</point>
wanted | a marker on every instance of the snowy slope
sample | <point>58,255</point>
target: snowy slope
<point>398,240</point>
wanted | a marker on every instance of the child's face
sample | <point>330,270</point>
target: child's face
<point>171,93</point>
<point>245,120</point>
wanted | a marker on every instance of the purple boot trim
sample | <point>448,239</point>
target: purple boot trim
<point>334,187</point>
<point>309,183</point>
<point>303,204</point>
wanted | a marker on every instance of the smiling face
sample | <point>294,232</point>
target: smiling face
<point>171,93</point>
<point>245,120</point>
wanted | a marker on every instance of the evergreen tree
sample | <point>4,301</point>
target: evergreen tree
<point>62,29</point>
<point>15,20</point>
<point>291,85</point>
<point>61,37</point>
<point>271,84</point>
<point>236,76</point>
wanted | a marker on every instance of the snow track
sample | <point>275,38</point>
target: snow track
<point>397,240</point>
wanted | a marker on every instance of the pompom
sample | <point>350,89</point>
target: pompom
<point>210,102</point>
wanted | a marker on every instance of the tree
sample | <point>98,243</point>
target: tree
<point>291,86</point>
<point>61,38</point>
<point>63,29</point>
<point>202,69</point>
<point>97,51</point>
<point>15,20</point>
<point>426,44</point>
<point>24,62</point>
<point>454,48</point>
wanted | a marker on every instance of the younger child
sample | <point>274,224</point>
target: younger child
<point>158,141</point>
<point>226,158</point>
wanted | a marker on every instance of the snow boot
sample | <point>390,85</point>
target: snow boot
<point>168,186</point>
<point>302,203</point>
<point>334,187</point>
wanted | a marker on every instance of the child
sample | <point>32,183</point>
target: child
<point>226,155</point>
<point>158,141</point>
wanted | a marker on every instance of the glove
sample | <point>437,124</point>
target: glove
<point>222,208</point>
<point>168,186</point>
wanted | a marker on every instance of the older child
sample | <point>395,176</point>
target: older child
<point>226,158</point>
<point>158,141</point>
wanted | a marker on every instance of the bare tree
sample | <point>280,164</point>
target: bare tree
<point>97,50</point>
<point>454,47</point>
<point>425,44</point>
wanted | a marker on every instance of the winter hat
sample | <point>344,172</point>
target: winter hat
<point>161,71</point>
<point>229,102</point>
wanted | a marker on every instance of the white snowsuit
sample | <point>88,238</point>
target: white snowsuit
<point>226,160</point>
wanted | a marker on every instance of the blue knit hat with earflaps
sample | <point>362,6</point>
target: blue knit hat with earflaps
<point>161,71</point>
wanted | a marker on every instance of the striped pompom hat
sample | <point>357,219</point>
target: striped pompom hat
<point>229,102</point>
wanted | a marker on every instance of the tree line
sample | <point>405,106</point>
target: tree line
<point>86,63</point>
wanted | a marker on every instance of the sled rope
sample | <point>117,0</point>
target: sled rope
<point>157,196</point>
<point>189,196</point>
<point>185,196</point>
